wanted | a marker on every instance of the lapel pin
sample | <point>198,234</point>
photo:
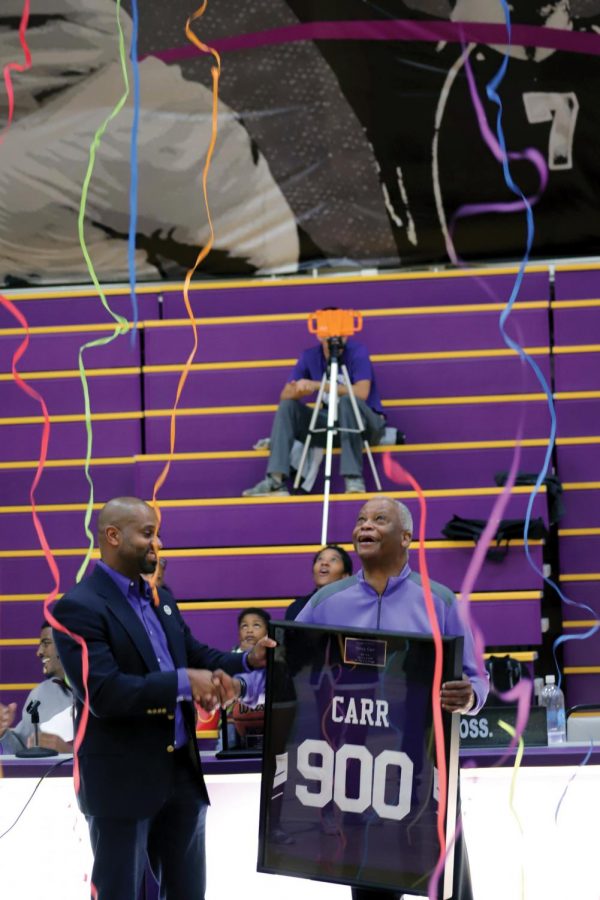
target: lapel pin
<point>167,610</point>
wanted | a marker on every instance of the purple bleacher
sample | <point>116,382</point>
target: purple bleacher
<point>108,393</point>
<point>582,509</point>
<point>68,440</point>
<point>67,484</point>
<point>395,380</point>
<point>582,688</point>
<point>576,325</point>
<point>54,309</point>
<point>582,604</point>
<point>581,592</point>
<point>578,418</point>
<point>577,652</point>
<point>388,334</point>
<point>578,462</point>
<point>577,371</point>
<point>507,623</point>
<point>240,576</point>
<point>21,619</point>
<point>432,469</point>
<point>361,293</point>
<point>206,526</point>
<point>20,665</point>
<point>60,351</point>
<point>579,553</point>
<point>577,285</point>
<point>422,424</point>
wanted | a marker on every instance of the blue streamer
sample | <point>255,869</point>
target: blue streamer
<point>133,177</point>
<point>494,97</point>
<point>583,762</point>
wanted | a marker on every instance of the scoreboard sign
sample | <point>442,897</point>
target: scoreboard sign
<point>350,781</point>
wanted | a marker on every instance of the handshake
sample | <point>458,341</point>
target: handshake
<point>214,689</point>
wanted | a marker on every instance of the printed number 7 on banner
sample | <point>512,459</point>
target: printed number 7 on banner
<point>331,773</point>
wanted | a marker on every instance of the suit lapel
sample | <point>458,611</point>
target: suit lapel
<point>169,619</point>
<point>122,610</point>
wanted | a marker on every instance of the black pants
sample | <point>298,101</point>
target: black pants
<point>172,841</point>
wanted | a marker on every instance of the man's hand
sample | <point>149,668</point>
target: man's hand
<point>52,742</point>
<point>303,387</point>
<point>257,658</point>
<point>7,716</point>
<point>204,691</point>
<point>457,696</point>
<point>227,688</point>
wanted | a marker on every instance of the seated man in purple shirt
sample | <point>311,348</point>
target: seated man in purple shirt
<point>292,418</point>
<point>140,779</point>
<point>385,594</point>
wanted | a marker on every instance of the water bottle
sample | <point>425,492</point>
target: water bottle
<point>554,700</point>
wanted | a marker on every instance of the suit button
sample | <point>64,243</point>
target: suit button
<point>170,748</point>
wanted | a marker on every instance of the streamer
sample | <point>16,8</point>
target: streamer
<point>16,67</point>
<point>121,324</point>
<point>215,74</point>
<point>400,475</point>
<point>133,177</point>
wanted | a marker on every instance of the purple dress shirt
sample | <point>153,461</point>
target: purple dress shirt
<point>141,603</point>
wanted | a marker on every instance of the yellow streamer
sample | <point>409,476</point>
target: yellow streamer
<point>215,73</point>
<point>513,784</point>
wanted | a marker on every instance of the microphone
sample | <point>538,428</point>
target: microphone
<point>36,751</point>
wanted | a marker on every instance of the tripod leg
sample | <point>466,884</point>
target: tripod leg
<point>331,417</point>
<point>311,429</point>
<point>360,425</point>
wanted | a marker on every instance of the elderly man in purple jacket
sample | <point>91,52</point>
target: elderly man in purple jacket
<point>386,595</point>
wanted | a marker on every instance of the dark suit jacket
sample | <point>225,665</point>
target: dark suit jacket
<point>126,756</point>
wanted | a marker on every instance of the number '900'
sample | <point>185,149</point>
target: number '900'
<point>330,772</point>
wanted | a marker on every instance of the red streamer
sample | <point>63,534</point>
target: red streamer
<point>400,475</point>
<point>39,528</point>
<point>17,67</point>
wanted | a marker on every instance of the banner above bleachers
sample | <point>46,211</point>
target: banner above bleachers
<point>350,133</point>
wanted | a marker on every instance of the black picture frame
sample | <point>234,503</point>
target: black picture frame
<point>349,783</point>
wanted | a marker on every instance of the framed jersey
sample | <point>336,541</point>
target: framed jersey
<point>350,782</point>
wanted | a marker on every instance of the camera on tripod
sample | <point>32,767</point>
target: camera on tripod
<point>334,326</point>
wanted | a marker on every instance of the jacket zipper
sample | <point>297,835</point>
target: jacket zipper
<point>379,596</point>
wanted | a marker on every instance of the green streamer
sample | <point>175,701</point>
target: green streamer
<point>122,325</point>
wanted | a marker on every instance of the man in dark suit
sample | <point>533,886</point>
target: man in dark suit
<point>141,785</point>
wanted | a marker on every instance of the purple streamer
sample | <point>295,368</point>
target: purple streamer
<point>530,154</point>
<point>431,31</point>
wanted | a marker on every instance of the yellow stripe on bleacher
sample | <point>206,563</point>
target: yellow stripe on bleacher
<point>581,623</point>
<point>362,276</point>
<point>19,642</point>
<point>521,655</point>
<point>191,503</point>
<point>275,550</point>
<point>576,348</point>
<point>578,532</point>
<point>63,463</point>
<point>18,687</point>
<point>581,670</point>
<point>235,454</point>
<point>581,485</point>
<point>574,304</point>
<point>72,373</point>
<point>74,417</point>
<point>579,576</point>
